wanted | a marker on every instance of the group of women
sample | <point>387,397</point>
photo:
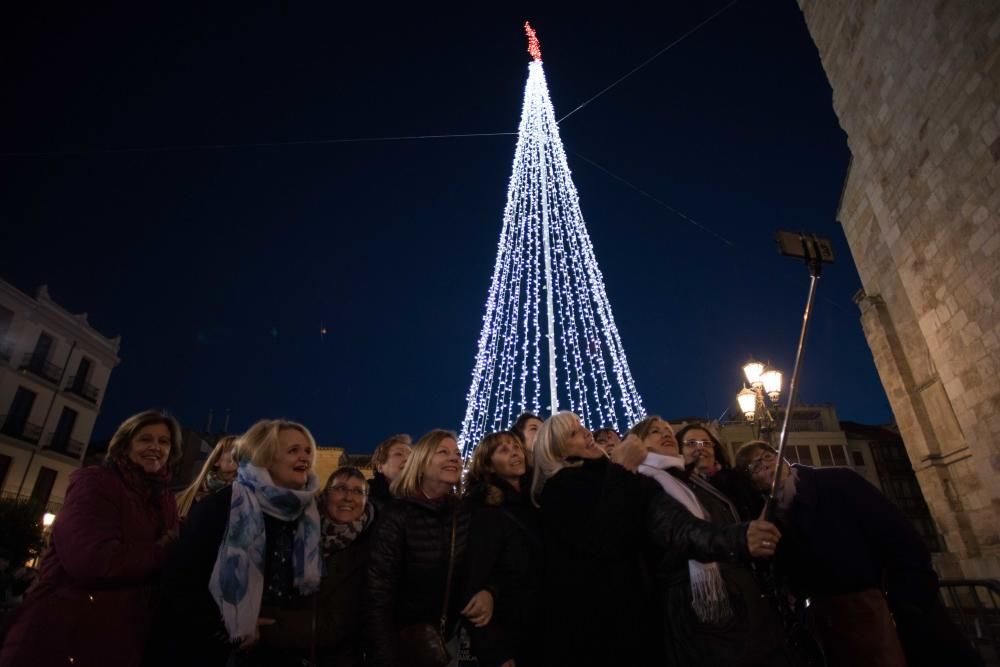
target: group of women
<point>551,548</point>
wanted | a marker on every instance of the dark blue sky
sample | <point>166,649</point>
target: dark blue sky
<point>218,265</point>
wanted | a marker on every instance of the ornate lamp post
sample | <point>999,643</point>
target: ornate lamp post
<point>757,399</point>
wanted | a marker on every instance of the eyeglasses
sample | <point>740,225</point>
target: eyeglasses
<point>756,465</point>
<point>698,443</point>
<point>343,489</point>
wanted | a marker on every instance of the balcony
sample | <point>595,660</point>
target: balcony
<point>41,368</point>
<point>25,431</point>
<point>81,388</point>
<point>53,505</point>
<point>64,445</point>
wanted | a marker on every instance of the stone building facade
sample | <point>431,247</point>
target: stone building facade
<point>916,87</point>
<point>54,372</point>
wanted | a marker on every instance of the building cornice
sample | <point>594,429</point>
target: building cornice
<point>48,313</point>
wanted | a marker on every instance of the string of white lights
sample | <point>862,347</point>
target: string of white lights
<point>544,252</point>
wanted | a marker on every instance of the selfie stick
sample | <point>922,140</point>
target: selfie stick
<point>815,251</point>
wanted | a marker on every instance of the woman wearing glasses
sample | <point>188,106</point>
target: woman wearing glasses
<point>858,565</point>
<point>346,519</point>
<point>705,457</point>
<point>714,613</point>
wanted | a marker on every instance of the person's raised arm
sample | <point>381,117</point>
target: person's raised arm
<point>670,526</point>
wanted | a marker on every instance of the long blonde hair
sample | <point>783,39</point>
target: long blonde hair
<point>409,481</point>
<point>549,456</point>
<point>185,498</point>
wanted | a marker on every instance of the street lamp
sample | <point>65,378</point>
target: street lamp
<point>757,399</point>
<point>48,519</point>
<point>747,399</point>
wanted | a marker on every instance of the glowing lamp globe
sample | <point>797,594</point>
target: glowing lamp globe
<point>47,519</point>
<point>752,370</point>
<point>772,383</point>
<point>747,399</point>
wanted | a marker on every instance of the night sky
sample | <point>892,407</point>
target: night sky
<point>218,264</point>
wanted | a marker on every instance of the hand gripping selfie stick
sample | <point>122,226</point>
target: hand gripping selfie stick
<point>815,252</point>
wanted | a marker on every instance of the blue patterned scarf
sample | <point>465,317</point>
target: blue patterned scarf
<point>237,582</point>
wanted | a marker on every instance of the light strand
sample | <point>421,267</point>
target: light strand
<point>542,220</point>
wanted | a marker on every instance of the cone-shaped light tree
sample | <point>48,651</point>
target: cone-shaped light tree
<point>549,341</point>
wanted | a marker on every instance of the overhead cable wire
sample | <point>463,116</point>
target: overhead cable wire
<point>652,58</point>
<point>679,214</point>
<point>355,140</point>
<point>740,258</point>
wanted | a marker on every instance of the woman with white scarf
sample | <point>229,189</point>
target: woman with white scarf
<point>598,520</point>
<point>248,556</point>
<point>714,611</point>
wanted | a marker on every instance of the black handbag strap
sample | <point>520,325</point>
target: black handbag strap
<point>443,626</point>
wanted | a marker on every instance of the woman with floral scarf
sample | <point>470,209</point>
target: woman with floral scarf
<point>248,559</point>
<point>218,472</point>
<point>107,547</point>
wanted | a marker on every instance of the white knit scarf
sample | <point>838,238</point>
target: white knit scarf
<point>708,591</point>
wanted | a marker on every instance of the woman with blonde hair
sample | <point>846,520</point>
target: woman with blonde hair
<point>107,547</point>
<point>420,577</point>
<point>598,519</point>
<point>218,472</point>
<point>247,556</point>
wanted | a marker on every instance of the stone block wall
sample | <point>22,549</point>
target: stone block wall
<point>916,87</point>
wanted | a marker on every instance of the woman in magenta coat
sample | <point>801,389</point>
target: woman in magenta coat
<point>92,602</point>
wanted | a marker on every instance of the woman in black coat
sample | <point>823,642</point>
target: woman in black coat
<point>746,630</point>
<point>330,628</point>
<point>598,516</point>
<point>705,456</point>
<point>508,540</point>
<point>408,566</point>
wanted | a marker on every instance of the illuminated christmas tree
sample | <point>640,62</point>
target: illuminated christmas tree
<point>547,298</point>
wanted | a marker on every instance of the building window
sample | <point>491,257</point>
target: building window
<point>799,454</point>
<point>15,422</point>
<point>859,459</point>
<point>43,348</point>
<point>5,462</point>
<point>43,485</point>
<point>62,437</point>
<point>832,455</point>
<point>6,349</point>
<point>83,370</point>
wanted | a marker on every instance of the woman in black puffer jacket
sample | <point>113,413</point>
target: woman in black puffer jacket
<point>408,565</point>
